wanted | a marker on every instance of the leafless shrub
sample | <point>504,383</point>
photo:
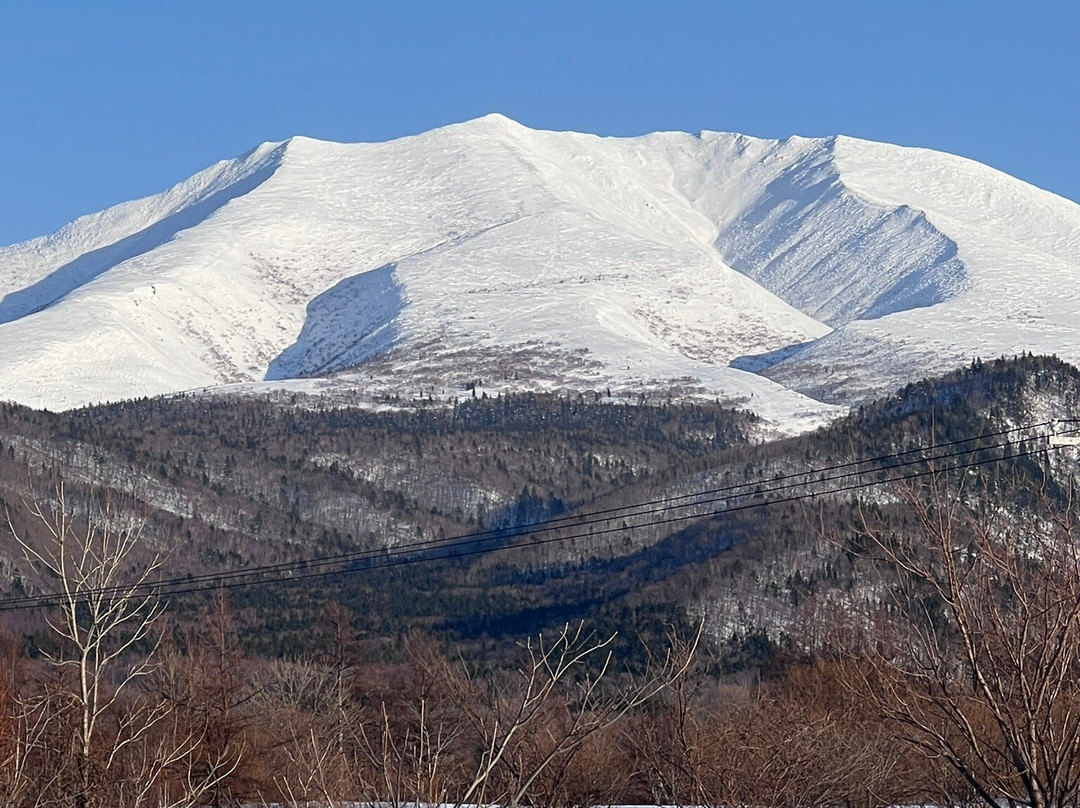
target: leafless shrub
<point>977,658</point>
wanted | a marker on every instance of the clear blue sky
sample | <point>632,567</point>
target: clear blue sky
<point>106,101</point>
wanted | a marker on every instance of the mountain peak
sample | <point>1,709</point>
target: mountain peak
<point>775,274</point>
<point>494,119</point>
<point>493,122</point>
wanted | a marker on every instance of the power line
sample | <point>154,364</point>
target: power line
<point>397,561</point>
<point>449,548</point>
<point>217,579</point>
<point>657,505</point>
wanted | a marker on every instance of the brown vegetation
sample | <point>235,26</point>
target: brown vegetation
<point>127,711</point>
<point>976,657</point>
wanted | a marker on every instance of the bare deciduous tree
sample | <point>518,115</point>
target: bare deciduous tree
<point>103,612</point>
<point>449,736</point>
<point>106,626</point>
<point>977,657</point>
<point>585,707</point>
<point>25,725</point>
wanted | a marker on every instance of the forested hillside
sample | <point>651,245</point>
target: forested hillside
<point>225,483</point>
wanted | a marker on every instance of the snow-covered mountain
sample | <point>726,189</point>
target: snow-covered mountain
<point>780,274</point>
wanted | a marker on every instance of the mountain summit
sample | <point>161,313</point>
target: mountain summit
<point>785,275</point>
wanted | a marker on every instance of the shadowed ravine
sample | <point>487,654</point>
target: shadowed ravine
<point>353,320</point>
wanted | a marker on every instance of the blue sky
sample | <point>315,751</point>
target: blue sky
<point>103,102</point>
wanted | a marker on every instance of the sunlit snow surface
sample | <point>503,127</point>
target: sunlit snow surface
<point>490,253</point>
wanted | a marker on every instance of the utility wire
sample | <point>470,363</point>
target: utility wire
<point>406,559</point>
<point>580,519</point>
<point>658,505</point>
<point>487,536</point>
<point>450,548</point>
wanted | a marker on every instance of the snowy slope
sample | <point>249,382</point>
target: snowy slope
<point>488,252</point>
<point>1010,284</point>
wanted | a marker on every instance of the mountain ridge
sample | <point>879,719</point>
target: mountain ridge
<point>486,250</point>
